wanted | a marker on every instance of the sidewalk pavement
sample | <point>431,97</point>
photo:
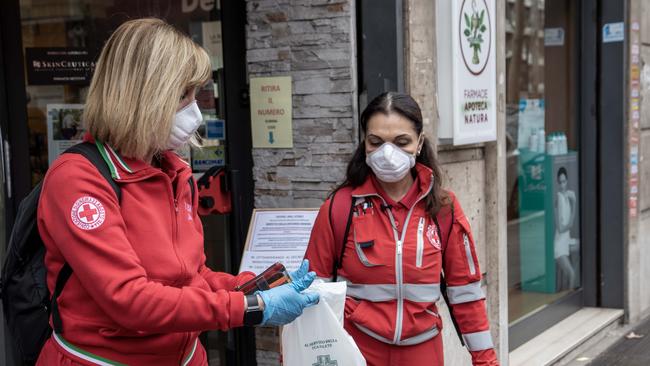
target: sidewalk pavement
<point>632,350</point>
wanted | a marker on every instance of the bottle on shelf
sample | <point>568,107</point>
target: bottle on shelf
<point>550,144</point>
<point>533,141</point>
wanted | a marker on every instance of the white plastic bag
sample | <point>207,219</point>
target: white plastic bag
<point>317,336</point>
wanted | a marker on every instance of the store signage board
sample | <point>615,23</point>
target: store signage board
<point>277,235</point>
<point>467,70</point>
<point>271,112</point>
<point>59,65</point>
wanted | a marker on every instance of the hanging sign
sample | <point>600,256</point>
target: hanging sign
<point>467,71</point>
<point>271,112</point>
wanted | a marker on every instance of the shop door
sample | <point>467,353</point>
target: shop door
<point>4,117</point>
<point>45,115</point>
<point>549,163</point>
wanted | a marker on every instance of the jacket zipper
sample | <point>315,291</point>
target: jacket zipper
<point>170,190</point>
<point>468,254</point>
<point>398,261</point>
<point>420,242</point>
<point>174,213</point>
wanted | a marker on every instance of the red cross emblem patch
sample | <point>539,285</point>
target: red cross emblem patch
<point>432,235</point>
<point>88,213</point>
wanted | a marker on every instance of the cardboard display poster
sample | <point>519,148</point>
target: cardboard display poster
<point>212,42</point>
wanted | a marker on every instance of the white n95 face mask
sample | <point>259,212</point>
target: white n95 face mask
<point>186,122</point>
<point>390,163</point>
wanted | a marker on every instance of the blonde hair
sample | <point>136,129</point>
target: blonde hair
<point>141,74</point>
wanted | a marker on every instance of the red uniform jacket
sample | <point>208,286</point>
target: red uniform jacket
<point>140,292</point>
<point>393,270</point>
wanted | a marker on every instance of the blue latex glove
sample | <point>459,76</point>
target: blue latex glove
<point>285,303</point>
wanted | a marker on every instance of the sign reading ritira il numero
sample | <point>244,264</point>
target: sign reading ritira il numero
<point>271,112</point>
<point>466,70</point>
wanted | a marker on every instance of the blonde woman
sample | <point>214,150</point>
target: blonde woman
<point>139,292</point>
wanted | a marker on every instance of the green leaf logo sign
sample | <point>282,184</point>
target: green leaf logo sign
<point>475,34</point>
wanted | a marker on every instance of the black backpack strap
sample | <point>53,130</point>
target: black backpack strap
<point>90,152</point>
<point>443,283</point>
<point>61,279</point>
<point>339,260</point>
<point>192,192</point>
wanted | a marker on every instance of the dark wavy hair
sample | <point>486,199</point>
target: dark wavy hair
<point>407,107</point>
<point>562,171</point>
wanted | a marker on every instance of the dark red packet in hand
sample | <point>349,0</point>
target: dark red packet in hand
<point>274,276</point>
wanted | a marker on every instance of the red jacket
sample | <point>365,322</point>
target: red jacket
<point>393,275</point>
<point>140,292</point>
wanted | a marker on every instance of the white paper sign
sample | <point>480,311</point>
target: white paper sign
<point>277,236</point>
<point>281,230</point>
<point>212,42</point>
<point>553,37</point>
<point>613,32</point>
<point>257,262</point>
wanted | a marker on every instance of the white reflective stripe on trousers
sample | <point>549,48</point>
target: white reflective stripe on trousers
<point>387,292</point>
<point>466,293</point>
<point>478,341</point>
<point>422,337</point>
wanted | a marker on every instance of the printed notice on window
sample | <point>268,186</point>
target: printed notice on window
<point>277,235</point>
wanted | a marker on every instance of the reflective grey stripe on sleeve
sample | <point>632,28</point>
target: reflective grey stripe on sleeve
<point>388,292</point>
<point>478,341</point>
<point>422,337</point>
<point>326,279</point>
<point>466,293</point>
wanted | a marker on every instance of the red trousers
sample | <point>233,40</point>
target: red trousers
<point>378,353</point>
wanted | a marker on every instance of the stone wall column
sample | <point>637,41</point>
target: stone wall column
<point>314,42</point>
